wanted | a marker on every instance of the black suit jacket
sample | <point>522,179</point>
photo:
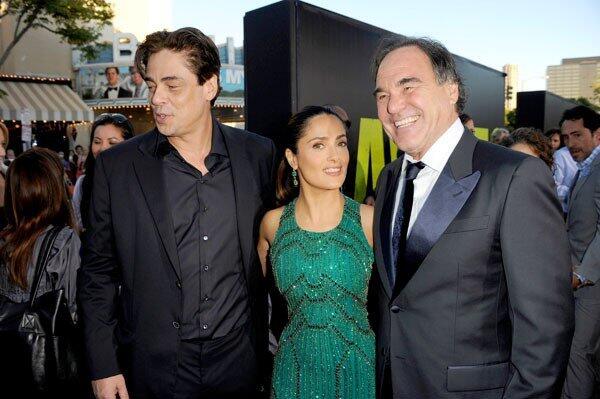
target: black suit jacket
<point>488,309</point>
<point>123,93</point>
<point>128,289</point>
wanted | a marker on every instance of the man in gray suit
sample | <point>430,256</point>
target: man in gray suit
<point>581,131</point>
<point>472,294</point>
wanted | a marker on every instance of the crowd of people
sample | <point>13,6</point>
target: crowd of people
<point>195,262</point>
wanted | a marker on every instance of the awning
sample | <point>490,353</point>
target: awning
<point>45,102</point>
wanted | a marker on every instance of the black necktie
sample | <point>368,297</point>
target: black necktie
<point>402,221</point>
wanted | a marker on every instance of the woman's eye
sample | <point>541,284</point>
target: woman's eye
<point>318,145</point>
<point>343,144</point>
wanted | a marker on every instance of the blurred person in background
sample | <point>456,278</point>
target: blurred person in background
<point>532,142</point>
<point>555,138</point>
<point>107,130</point>
<point>114,90</point>
<point>135,83</point>
<point>564,169</point>
<point>467,122</point>
<point>36,201</point>
<point>499,134</point>
<point>3,169</point>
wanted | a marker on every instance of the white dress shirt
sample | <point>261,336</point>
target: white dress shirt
<point>435,160</point>
<point>564,171</point>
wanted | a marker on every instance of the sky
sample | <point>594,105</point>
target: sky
<point>530,33</point>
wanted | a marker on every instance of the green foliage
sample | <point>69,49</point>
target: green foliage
<point>510,119</point>
<point>586,102</point>
<point>76,22</point>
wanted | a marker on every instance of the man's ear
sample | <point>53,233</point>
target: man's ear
<point>453,92</point>
<point>211,87</point>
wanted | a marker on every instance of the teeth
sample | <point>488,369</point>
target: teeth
<point>406,121</point>
<point>332,170</point>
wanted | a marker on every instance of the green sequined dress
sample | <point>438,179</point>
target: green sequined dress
<point>327,350</point>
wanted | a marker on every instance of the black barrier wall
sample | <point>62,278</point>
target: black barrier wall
<point>541,109</point>
<point>297,54</point>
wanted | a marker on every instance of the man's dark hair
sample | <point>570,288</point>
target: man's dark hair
<point>109,68</point>
<point>202,53</point>
<point>591,119</point>
<point>464,118</point>
<point>441,59</point>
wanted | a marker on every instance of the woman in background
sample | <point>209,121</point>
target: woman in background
<point>3,170</point>
<point>36,200</point>
<point>532,142</point>
<point>108,130</point>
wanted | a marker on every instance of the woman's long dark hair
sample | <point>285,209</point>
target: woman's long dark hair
<point>36,197</point>
<point>296,127</point>
<point>122,123</point>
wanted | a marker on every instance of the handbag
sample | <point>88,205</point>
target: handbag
<point>41,335</point>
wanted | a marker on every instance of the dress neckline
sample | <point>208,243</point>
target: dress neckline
<point>336,227</point>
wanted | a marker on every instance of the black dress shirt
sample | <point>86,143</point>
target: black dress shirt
<point>215,297</point>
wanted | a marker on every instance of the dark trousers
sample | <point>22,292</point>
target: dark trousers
<point>583,372</point>
<point>221,368</point>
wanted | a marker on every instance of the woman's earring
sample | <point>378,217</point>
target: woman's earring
<point>295,177</point>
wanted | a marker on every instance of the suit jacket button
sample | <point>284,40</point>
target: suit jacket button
<point>176,325</point>
<point>395,309</point>
<point>178,284</point>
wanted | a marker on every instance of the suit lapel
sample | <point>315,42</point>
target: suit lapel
<point>582,180</point>
<point>385,208</point>
<point>244,186</point>
<point>149,172</point>
<point>449,194</point>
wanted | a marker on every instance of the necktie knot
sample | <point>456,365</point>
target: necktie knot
<point>113,88</point>
<point>413,169</point>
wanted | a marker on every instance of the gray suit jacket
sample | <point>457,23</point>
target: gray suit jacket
<point>583,221</point>
<point>487,311</point>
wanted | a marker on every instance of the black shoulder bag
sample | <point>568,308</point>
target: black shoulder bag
<point>47,340</point>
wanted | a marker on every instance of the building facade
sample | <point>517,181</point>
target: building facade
<point>511,86</point>
<point>575,78</point>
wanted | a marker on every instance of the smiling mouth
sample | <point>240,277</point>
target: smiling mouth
<point>409,120</point>
<point>333,171</point>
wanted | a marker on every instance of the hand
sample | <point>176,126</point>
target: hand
<point>110,388</point>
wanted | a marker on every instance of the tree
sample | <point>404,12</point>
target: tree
<point>510,119</point>
<point>77,22</point>
<point>586,102</point>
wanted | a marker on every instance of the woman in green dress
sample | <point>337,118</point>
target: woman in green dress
<point>318,245</point>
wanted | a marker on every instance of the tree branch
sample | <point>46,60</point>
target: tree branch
<point>18,35</point>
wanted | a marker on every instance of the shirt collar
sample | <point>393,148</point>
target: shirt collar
<point>589,160</point>
<point>163,147</point>
<point>439,153</point>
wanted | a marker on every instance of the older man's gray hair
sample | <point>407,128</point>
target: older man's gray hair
<point>498,134</point>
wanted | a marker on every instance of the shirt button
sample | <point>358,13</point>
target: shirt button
<point>205,238</point>
<point>205,268</point>
<point>205,326</point>
<point>176,325</point>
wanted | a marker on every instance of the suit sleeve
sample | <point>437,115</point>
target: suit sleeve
<point>590,264</point>
<point>535,253</point>
<point>98,282</point>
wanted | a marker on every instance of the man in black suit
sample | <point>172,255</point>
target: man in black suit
<point>471,295</point>
<point>174,305</point>
<point>114,90</point>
